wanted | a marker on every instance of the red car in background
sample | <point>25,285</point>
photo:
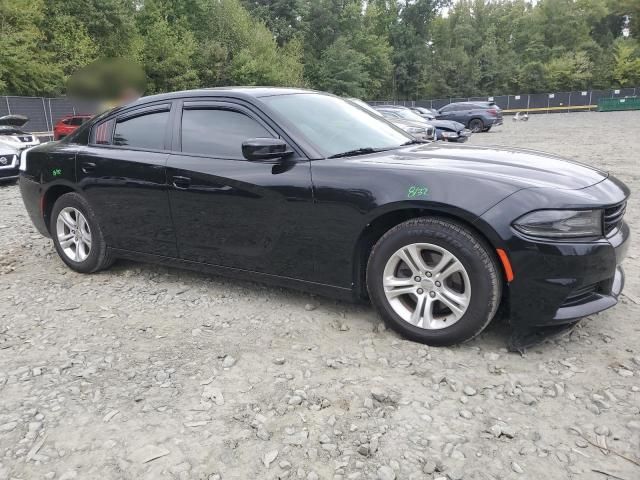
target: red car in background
<point>66,125</point>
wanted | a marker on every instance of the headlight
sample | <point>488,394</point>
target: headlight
<point>416,130</point>
<point>449,134</point>
<point>561,223</point>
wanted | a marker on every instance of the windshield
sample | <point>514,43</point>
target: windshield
<point>364,105</point>
<point>7,130</point>
<point>333,125</point>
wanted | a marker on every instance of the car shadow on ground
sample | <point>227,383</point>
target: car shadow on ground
<point>495,335</point>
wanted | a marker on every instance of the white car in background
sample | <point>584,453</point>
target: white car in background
<point>12,136</point>
<point>9,163</point>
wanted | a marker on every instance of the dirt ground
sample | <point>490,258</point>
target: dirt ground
<point>145,372</point>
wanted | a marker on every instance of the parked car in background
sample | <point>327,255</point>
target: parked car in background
<point>9,163</point>
<point>11,134</point>
<point>419,129</point>
<point>426,113</point>
<point>476,116</point>
<point>68,124</point>
<point>445,129</point>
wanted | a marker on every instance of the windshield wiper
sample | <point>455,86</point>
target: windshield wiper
<point>413,142</point>
<point>357,151</point>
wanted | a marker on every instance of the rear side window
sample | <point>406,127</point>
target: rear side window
<point>101,133</point>
<point>218,133</point>
<point>144,131</point>
<point>77,121</point>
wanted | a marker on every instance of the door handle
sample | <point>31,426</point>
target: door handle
<point>88,167</point>
<point>181,182</point>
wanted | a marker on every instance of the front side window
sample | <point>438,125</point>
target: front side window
<point>144,131</point>
<point>334,125</point>
<point>218,133</point>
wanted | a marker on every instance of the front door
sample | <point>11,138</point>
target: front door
<point>122,174</point>
<point>232,212</point>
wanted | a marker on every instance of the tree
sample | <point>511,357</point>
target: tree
<point>571,71</point>
<point>626,70</point>
<point>343,70</point>
<point>25,67</point>
<point>168,49</point>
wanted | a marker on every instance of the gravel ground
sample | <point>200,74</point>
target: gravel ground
<point>145,372</point>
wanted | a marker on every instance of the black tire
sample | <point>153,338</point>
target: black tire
<point>99,256</point>
<point>474,254</point>
<point>486,129</point>
<point>476,125</point>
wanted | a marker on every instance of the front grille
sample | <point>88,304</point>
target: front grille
<point>613,217</point>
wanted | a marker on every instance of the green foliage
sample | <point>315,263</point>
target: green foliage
<point>405,49</point>
<point>342,70</point>
<point>626,70</point>
<point>25,67</point>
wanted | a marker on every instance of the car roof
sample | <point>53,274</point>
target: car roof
<point>238,92</point>
<point>392,107</point>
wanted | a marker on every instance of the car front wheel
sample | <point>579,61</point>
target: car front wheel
<point>77,235</point>
<point>434,281</point>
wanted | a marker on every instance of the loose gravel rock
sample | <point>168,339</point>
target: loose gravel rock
<point>148,372</point>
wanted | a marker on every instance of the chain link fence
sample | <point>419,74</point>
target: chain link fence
<point>43,112</point>
<point>584,100</point>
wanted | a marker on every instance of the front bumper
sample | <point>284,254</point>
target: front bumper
<point>9,167</point>
<point>559,283</point>
<point>461,136</point>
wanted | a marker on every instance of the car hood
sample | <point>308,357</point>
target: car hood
<point>518,167</point>
<point>14,120</point>
<point>447,125</point>
<point>6,150</point>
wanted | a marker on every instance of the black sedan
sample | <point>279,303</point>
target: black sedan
<point>303,189</point>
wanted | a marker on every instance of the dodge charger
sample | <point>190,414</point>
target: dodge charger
<point>305,190</point>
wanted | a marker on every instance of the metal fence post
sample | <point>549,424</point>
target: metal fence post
<point>8,106</point>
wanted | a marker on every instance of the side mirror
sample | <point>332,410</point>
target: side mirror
<point>257,149</point>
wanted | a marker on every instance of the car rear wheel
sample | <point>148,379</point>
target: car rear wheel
<point>476,125</point>
<point>434,281</point>
<point>77,236</point>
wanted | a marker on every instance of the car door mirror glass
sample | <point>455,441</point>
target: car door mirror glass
<point>258,149</point>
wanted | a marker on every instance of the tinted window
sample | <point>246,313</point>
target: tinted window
<point>146,131</point>
<point>101,133</point>
<point>218,133</point>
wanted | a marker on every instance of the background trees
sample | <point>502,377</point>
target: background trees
<point>372,49</point>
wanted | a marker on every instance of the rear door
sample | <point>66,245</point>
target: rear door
<point>122,172</point>
<point>229,211</point>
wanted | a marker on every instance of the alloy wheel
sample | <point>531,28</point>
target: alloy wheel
<point>427,286</point>
<point>74,234</point>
